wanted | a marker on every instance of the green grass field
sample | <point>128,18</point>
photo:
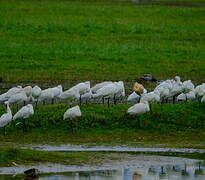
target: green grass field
<point>96,40</point>
<point>67,40</point>
<point>172,125</point>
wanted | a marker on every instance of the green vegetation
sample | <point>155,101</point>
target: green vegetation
<point>176,125</point>
<point>96,40</point>
<point>23,156</point>
<point>176,2</point>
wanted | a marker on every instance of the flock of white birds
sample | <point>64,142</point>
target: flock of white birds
<point>173,89</point>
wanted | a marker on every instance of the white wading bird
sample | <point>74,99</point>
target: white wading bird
<point>57,91</point>
<point>100,85</point>
<point>139,108</point>
<point>71,114</point>
<point>28,91</point>
<point>82,88</point>
<point>4,97</point>
<point>151,97</point>
<point>203,99</point>
<point>36,92</point>
<point>76,91</point>
<point>200,91</point>
<point>188,86</point>
<point>18,98</point>
<point>163,93</point>
<point>120,92</point>
<point>133,98</point>
<point>113,90</point>
<point>70,94</point>
<point>108,91</point>
<point>87,96</point>
<point>177,88</point>
<point>6,118</point>
<point>46,94</point>
<point>186,97</point>
<point>24,113</point>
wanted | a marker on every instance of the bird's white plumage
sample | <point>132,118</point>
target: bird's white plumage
<point>133,98</point>
<point>163,91</point>
<point>120,89</point>
<point>4,97</point>
<point>18,98</point>
<point>188,86</point>
<point>7,117</point>
<point>46,94</point>
<point>24,112</point>
<point>72,113</point>
<point>106,91</point>
<point>70,94</point>
<point>151,97</point>
<point>203,98</point>
<point>87,96</point>
<point>82,88</point>
<point>177,87</point>
<point>27,90</point>
<point>139,108</point>
<point>100,85</point>
<point>36,91</point>
<point>57,91</point>
<point>190,96</point>
<point>200,90</point>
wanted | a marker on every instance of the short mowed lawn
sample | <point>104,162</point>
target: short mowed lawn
<point>45,40</point>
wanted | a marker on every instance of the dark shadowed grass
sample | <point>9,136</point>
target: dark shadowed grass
<point>97,40</point>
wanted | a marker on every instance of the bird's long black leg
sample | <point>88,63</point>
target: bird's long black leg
<point>108,102</point>
<point>114,99</point>
<point>24,125</point>
<point>4,130</point>
<point>150,106</point>
<point>174,99</point>
<point>103,100</point>
<point>72,126</point>
<point>80,100</point>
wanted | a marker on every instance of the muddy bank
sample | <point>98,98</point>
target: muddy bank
<point>124,161</point>
<point>86,148</point>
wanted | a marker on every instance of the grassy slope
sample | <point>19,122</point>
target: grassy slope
<point>56,40</point>
<point>177,125</point>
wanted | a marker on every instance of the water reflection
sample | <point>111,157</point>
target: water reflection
<point>194,171</point>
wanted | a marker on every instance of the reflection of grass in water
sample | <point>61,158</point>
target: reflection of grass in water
<point>75,40</point>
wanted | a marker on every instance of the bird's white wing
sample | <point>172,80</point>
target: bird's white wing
<point>21,113</point>
<point>5,119</point>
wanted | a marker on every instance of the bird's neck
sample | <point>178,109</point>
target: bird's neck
<point>8,109</point>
